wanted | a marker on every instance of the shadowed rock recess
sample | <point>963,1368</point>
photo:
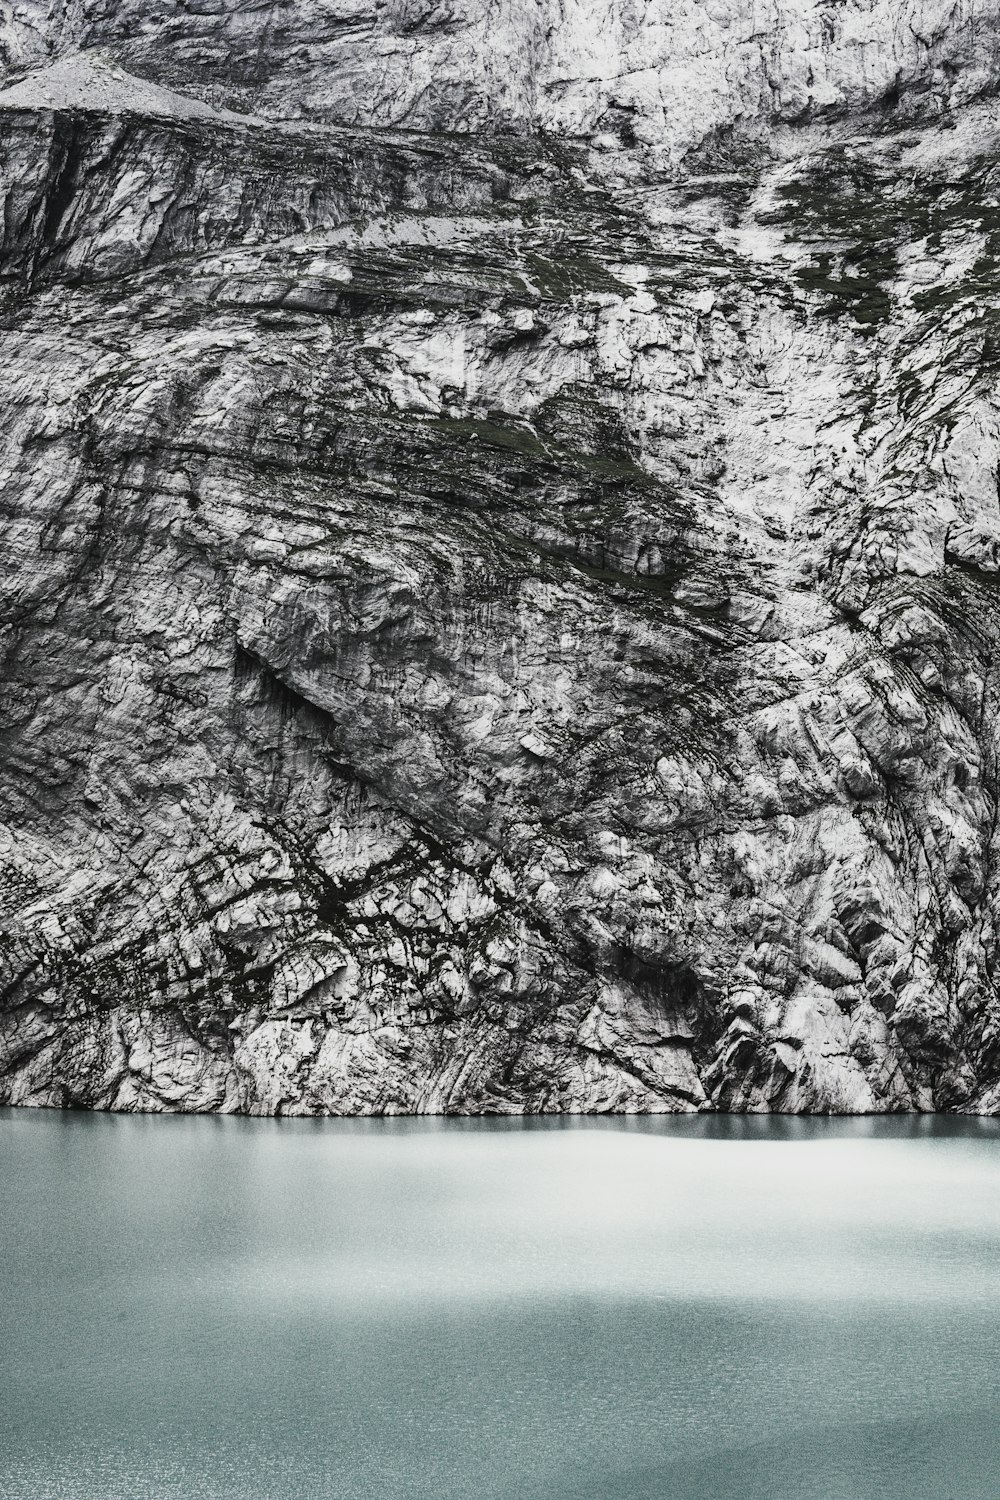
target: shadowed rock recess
<point>501,555</point>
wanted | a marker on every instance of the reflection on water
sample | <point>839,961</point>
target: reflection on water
<point>693,1309</point>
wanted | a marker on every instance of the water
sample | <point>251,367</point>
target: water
<point>224,1309</point>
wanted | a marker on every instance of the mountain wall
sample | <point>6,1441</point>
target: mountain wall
<point>501,536</point>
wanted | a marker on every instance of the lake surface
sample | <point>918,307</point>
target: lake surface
<point>694,1309</point>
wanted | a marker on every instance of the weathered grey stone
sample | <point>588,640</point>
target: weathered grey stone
<point>501,533</point>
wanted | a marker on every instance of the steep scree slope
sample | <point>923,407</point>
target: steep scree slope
<point>502,550</point>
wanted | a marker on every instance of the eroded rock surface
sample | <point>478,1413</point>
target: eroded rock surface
<point>502,552</point>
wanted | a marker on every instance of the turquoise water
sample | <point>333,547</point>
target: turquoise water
<point>227,1309</point>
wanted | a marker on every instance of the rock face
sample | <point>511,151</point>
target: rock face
<point>501,533</point>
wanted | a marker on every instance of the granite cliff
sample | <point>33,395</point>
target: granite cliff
<point>501,521</point>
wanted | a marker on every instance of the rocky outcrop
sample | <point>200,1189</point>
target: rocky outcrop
<point>502,540</point>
